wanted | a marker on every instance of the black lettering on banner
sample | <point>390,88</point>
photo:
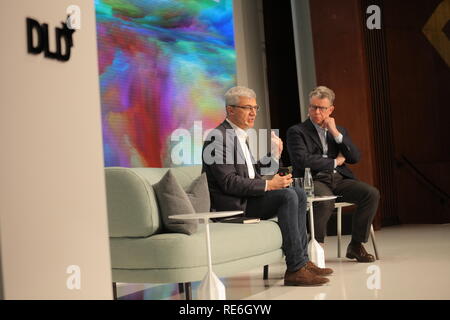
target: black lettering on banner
<point>63,38</point>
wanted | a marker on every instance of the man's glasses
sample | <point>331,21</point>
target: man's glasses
<point>321,109</point>
<point>248,108</point>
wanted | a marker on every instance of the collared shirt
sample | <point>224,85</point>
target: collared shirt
<point>323,139</point>
<point>242,137</point>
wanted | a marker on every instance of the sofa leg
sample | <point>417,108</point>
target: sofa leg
<point>188,290</point>
<point>181,288</point>
<point>114,285</point>
<point>266,272</point>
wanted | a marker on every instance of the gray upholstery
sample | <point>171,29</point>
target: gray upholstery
<point>140,252</point>
<point>198,194</point>
<point>173,200</point>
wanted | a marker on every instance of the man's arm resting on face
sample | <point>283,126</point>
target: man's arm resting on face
<point>347,148</point>
<point>345,145</point>
<point>300,155</point>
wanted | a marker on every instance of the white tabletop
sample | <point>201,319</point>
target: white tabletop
<point>205,215</point>
<point>321,198</point>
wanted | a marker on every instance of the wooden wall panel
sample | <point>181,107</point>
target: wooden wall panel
<point>392,90</point>
<point>419,84</point>
<point>377,65</point>
<point>341,65</point>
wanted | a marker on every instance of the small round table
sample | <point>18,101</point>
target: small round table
<point>211,288</point>
<point>316,257</point>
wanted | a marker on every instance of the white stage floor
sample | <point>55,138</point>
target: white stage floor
<point>415,264</point>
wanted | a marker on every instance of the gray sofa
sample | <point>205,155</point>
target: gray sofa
<point>142,253</point>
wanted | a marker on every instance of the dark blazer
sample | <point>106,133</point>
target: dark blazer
<point>306,151</point>
<point>227,173</point>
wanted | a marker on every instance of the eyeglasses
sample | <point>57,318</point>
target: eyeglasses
<point>321,109</point>
<point>247,108</point>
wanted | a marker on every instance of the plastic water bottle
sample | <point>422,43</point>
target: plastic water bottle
<point>308,184</point>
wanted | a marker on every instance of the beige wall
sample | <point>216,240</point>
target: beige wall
<point>304,52</point>
<point>52,192</point>
<point>251,65</point>
<point>251,60</point>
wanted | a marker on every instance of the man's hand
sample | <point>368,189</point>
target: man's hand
<point>340,160</point>
<point>279,182</point>
<point>276,146</point>
<point>330,124</point>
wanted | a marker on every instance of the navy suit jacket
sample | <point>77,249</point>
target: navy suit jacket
<point>306,151</point>
<point>228,180</point>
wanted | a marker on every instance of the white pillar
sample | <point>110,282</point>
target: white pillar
<point>53,222</point>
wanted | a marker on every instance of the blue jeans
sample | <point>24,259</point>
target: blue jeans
<point>289,206</point>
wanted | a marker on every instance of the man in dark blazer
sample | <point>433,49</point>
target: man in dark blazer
<point>319,144</point>
<point>235,183</point>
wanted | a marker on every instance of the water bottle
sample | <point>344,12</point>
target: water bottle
<point>308,184</point>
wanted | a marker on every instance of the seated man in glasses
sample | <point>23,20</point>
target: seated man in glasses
<point>318,143</point>
<point>235,183</point>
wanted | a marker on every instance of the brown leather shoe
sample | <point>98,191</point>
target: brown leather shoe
<point>318,271</point>
<point>357,251</point>
<point>303,277</point>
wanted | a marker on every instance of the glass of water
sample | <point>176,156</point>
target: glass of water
<point>297,182</point>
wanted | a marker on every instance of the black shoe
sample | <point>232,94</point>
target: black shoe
<point>357,251</point>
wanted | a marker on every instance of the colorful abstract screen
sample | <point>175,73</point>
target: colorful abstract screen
<point>164,65</point>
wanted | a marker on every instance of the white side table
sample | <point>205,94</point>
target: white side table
<point>211,288</point>
<point>316,253</point>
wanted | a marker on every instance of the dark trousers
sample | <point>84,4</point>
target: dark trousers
<point>289,206</point>
<point>364,196</point>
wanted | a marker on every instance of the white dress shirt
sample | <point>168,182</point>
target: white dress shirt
<point>242,137</point>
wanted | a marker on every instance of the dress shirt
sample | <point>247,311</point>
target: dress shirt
<point>242,137</point>
<point>323,139</point>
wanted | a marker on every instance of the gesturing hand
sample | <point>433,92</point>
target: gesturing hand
<point>279,182</point>
<point>276,146</point>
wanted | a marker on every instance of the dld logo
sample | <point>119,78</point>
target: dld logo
<point>63,37</point>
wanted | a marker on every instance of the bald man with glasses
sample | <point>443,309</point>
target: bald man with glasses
<point>318,143</point>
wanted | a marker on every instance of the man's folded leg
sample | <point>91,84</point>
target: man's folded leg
<point>366,198</point>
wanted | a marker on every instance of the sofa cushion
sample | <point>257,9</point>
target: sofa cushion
<point>198,194</point>
<point>173,200</point>
<point>229,242</point>
<point>132,207</point>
